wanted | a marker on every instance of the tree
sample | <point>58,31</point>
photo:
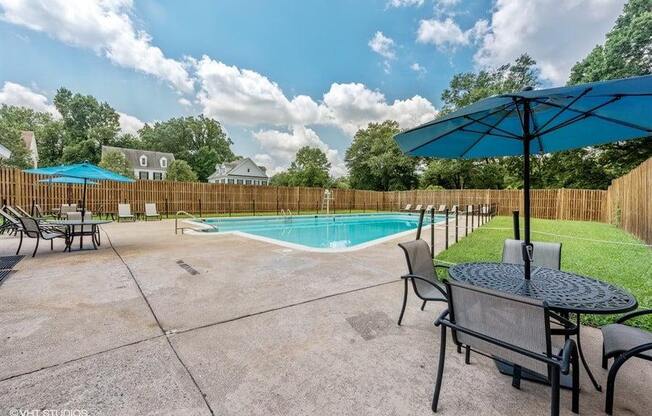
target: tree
<point>116,162</point>
<point>180,171</point>
<point>280,179</point>
<point>626,52</point>
<point>87,125</point>
<point>375,161</point>
<point>14,120</point>
<point>310,168</point>
<point>200,141</point>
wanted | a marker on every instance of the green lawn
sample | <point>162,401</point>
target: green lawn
<point>627,266</point>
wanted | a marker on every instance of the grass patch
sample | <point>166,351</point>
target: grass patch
<point>627,266</point>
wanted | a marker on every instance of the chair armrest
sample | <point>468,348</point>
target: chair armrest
<point>569,327</point>
<point>413,276</point>
<point>441,316</point>
<point>634,314</point>
<point>570,349</point>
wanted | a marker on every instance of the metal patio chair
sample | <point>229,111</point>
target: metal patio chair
<point>422,273</point>
<point>10,224</point>
<point>544,254</point>
<point>509,329</point>
<point>32,229</point>
<point>623,342</point>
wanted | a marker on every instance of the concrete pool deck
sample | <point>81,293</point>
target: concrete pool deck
<point>260,329</point>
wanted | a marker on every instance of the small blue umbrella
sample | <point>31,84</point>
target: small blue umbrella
<point>542,121</point>
<point>82,171</point>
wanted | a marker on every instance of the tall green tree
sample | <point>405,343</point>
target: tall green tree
<point>375,161</point>
<point>87,124</point>
<point>199,140</point>
<point>180,171</point>
<point>310,168</point>
<point>627,52</point>
<point>115,161</point>
<point>465,89</point>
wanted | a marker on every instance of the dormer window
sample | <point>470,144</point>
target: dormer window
<point>164,162</point>
<point>143,160</point>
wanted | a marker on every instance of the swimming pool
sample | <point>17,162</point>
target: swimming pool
<point>322,232</point>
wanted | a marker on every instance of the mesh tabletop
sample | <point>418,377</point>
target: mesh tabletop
<point>562,291</point>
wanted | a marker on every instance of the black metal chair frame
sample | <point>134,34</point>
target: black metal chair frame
<point>39,234</point>
<point>621,357</point>
<point>563,363</point>
<point>412,277</point>
<point>9,223</point>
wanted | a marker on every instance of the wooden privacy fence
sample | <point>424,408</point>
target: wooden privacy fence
<point>629,202</point>
<point>626,203</point>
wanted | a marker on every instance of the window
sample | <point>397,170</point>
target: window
<point>164,163</point>
<point>158,176</point>
<point>248,182</point>
<point>239,182</point>
<point>143,174</point>
<point>143,160</point>
<point>231,181</point>
<point>248,170</point>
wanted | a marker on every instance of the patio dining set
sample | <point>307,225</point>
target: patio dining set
<point>518,311</point>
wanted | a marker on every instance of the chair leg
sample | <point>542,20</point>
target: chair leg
<point>440,368</point>
<point>51,244</point>
<point>423,305</point>
<point>36,248</point>
<point>611,381</point>
<point>516,376</point>
<point>605,360</point>
<point>467,355</point>
<point>575,368</point>
<point>554,402</point>
<point>400,318</point>
<point>20,244</point>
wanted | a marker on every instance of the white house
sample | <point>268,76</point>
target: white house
<point>240,172</point>
<point>30,143</point>
<point>146,164</point>
<point>4,152</point>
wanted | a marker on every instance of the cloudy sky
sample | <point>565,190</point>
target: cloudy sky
<point>285,73</point>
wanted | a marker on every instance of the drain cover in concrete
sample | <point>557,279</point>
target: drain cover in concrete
<point>187,267</point>
<point>371,325</point>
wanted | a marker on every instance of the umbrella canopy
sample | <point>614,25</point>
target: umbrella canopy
<point>69,181</point>
<point>82,171</point>
<point>541,121</point>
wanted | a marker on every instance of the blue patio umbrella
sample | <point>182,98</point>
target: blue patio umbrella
<point>542,121</point>
<point>82,171</point>
<point>69,181</point>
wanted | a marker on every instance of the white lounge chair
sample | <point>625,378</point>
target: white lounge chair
<point>429,208</point>
<point>124,212</point>
<point>408,207</point>
<point>442,209</point>
<point>151,212</point>
<point>418,208</point>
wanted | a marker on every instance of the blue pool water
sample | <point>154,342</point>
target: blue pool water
<point>325,232</point>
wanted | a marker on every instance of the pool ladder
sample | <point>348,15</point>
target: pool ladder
<point>184,214</point>
<point>287,214</point>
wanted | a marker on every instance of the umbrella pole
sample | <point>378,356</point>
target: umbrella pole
<point>84,201</point>
<point>527,245</point>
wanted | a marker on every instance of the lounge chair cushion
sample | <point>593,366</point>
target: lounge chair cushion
<point>619,338</point>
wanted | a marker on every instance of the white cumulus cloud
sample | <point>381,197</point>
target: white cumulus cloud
<point>404,3</point>
<point>105,26</point>
<point>130,124</point>
<point>555,33</point>
<point>383,45</point>
<point>19,95</point>
<point>353,106</point>
<point>418,68</point>
<point>447,33</point>
<point>282,146</point>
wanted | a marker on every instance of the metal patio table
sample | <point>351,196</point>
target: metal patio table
<point>563,291</point>
<point>71,230</point>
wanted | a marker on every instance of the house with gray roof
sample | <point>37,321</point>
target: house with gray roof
<point>240,172</point>
<point>146,164</point>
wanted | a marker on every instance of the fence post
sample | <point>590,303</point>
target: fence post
<point>517,228</point>
<point>299,206</point>
<point>456,219</point>
<point>230,207</point>
<point>472,216</point>
<point>31,211</point>
<point>167,210</point>
<point>277,202</point>
<point>199,207</point>
<point>466,221</point>
<point>432,233</point>
<point>253,206</point>
<point>364,207</point>
<point>446,212</point>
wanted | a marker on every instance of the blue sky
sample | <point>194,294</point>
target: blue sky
<point>286,73</point>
